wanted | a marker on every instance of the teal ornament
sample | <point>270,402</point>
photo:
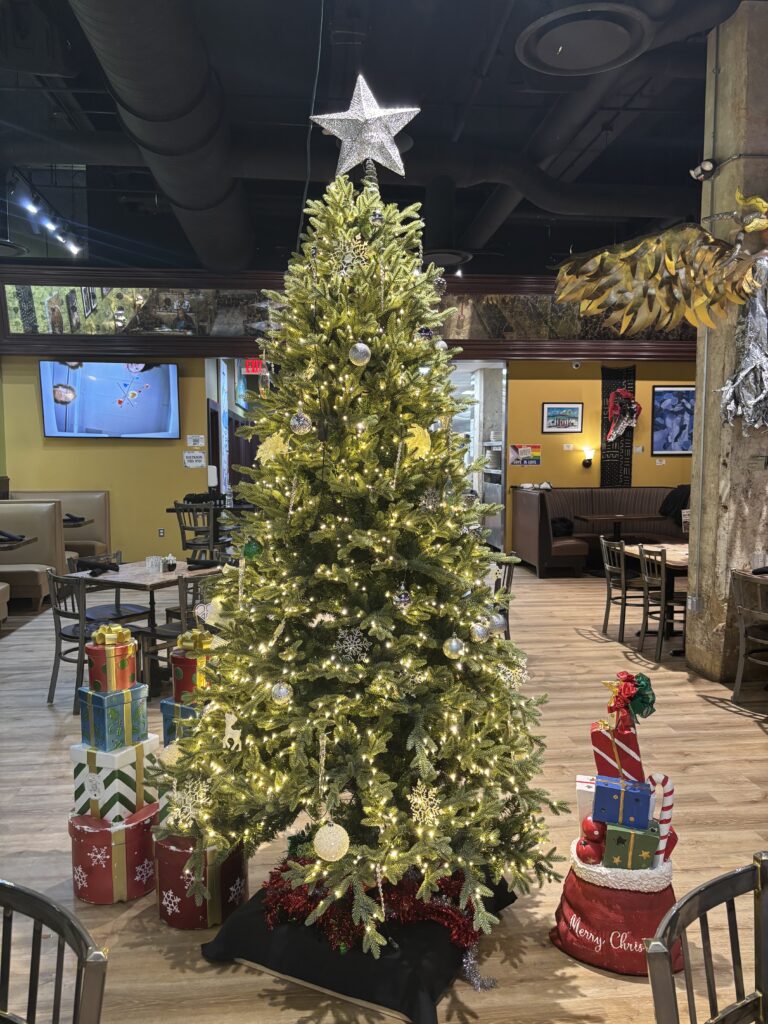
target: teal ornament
<point>252,549</point>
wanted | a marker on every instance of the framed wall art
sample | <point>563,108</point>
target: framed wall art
<point>672,428</point>
<point>562,417</point>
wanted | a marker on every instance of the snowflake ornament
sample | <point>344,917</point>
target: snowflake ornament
<point>144,871</point>
<point>186,802</point>
<point>236,890</point>
<point>425,805</point>
<point>171,902</point>
<point>99,856</point>
<point>80,878</point>
<point>431,500</point>
<point>350,255</point>
<point>352,644</point>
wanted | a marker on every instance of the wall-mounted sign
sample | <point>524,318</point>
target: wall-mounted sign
<point>252,366</point>
<point>525,455</point>
<point>194,460</point>
<point>195,440</point>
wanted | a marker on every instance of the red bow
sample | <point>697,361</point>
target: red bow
<point>623,694</point>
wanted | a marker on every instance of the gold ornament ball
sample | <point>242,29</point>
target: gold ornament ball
<point>282,693</point>
<point>331,841</point>
<point>359,354</point>
<point>300,423</point>
<point>479,632</point>
<point>453,647</point>
<point>497,622</point>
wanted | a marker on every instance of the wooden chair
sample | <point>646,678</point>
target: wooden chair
<point>502,589</point>
<point>746,1009</point>
<point>197,526</point>
<point>190,594</point>
<point>751,600</point>
<point>71,626</point>
<point>91,963</point>
<point>659,604</point>
<point>623,588</point>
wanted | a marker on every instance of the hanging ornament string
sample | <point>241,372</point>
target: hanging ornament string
<point>321,807</point>
<point>294,485</point>
<point>397,464</point>
<point>240,583</point>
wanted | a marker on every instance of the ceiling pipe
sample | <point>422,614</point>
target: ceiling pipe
<point>580,106</point>
<point>482,73</point>
<point>172,109</point>
<point>567,118</point>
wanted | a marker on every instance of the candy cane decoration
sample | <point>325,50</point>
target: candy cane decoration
<point>665,815</point>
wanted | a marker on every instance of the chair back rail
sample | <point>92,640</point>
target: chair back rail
<point>751,1008</point>
<point>614,561</point>
<point>91,967</point>
<point>750,596</point>
<point>191,593</point>
<point>197,526</point>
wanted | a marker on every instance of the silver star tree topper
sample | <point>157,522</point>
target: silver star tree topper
<point>367,130</point>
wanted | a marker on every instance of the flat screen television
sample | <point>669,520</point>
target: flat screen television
<point>137,400</point>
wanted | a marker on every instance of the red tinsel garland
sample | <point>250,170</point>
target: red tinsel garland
<point>284,903</point>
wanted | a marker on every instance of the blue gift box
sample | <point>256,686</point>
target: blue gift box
<point>618,802</point>
<point>114,718</point>
<point>173,713</point>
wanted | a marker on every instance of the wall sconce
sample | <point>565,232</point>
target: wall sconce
<point>589,454</point>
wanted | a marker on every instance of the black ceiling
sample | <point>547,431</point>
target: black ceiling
<point>173,132</point>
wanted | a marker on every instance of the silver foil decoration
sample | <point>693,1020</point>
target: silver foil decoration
<point>745,393</point>
<point>471,971</point>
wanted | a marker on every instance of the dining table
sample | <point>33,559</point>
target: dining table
<point>11,545</point>
<point>617,519</point>
<point>136,576</point>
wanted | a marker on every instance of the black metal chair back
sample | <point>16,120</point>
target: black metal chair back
<point>750,596</point>
<point>91,962</point>
<point>72,625</point>
<point>749,1008</point>
<point>191,594</point>
<point>197,526</point>
<point>614,561</point>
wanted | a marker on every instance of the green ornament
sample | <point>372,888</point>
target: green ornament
<point>252,549</point>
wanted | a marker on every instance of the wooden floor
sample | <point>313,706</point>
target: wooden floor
<point>717,755</point>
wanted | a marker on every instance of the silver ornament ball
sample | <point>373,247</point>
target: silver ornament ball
<point>441,346</point>
<point>331,841</point>
<point>453,647</point>
<point>300,423</point>
<point>282,693</point>
<point>498,622</point>
<point>402,598</point>
<point>479,632</point>
<point>359,354</point>
<point>440,285</point>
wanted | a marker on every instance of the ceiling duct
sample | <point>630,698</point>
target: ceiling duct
<point>172,108</point>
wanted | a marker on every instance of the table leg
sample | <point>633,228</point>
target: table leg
<point>152,616</point>
<point>616,530</point>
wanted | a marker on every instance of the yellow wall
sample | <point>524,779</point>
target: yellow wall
<point>530,383</point>
<point>143,477</point>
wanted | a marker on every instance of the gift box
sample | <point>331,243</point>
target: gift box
<point>617,752</point>
<point>188,661</point>
<point>226,882</point>
<point>113,862</point>
<point>111,658</point>
<point>630,848</point>
<point>622,803</point>
<point>112,784</point>
<point>113,719</point>
<point>585,795</point>
<point>174,715</point>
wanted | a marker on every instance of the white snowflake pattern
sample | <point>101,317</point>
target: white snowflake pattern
<point>236,890</point>
<point>144,871</point>
<point>80,878</point>
<point>186,802</point>
<point>431,500</point>
<point>352,644</point>
<point>99,856</point>
<point>171,902</point>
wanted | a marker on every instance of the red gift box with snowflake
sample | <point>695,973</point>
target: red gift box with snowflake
<point>226,882</point>
<point>113,862</point>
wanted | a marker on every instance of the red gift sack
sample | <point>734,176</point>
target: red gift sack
<point>227,884</point>
<point>602,921</point>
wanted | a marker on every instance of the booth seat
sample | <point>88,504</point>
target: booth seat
<point>25,568</point>
<point>5,593</point>
<point>91,539</point>
<point>533,512</point>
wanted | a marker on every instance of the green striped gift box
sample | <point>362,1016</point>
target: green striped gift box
<point>111,784</point>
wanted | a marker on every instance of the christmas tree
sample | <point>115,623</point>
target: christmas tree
<point>364,693</point>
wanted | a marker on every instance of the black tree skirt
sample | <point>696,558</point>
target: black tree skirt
<point>408,979</point>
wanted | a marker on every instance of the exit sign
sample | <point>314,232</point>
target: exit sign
<point>254,366</point>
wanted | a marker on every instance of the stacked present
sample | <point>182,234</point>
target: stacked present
<point>620,883</point>
<point>189,662</point>
<point>115,804</point>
